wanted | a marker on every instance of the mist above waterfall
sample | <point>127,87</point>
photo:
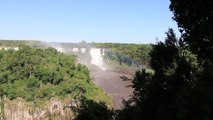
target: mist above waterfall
<point>86,53</point>
<point>95,58</point>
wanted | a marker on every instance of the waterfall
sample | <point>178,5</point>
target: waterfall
<point>97,58</point>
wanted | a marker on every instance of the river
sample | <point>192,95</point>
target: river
<point>113,85</point>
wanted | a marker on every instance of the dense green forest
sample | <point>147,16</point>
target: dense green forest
<point>40,74</point>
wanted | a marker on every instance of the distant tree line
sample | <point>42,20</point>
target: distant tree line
<point>127,53</point>
<point>16,43</point>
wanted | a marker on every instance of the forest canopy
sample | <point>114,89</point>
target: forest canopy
<point>40,74</point>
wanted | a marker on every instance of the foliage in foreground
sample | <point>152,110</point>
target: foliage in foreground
<point>162,94</point>
<point>90,110</point>
<point>181,87</point>
<point>40,74</point>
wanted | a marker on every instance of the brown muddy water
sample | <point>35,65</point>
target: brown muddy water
<point>113,85</point>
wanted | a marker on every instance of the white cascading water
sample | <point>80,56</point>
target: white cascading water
<point>97,58</point>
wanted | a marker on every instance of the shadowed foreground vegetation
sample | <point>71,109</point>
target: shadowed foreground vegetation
<point>90,110</point>
<point>181,87</point>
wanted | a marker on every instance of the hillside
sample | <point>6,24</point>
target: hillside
<point>39,75</point>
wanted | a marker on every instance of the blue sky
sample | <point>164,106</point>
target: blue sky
<point>124,21</point>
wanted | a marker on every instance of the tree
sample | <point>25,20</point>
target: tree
<point>91,110</point>
<point>181,87</point>
<point>155,94</point>
<point>194,19</point>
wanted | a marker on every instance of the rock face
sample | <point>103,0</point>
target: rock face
<point>18,109</point>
